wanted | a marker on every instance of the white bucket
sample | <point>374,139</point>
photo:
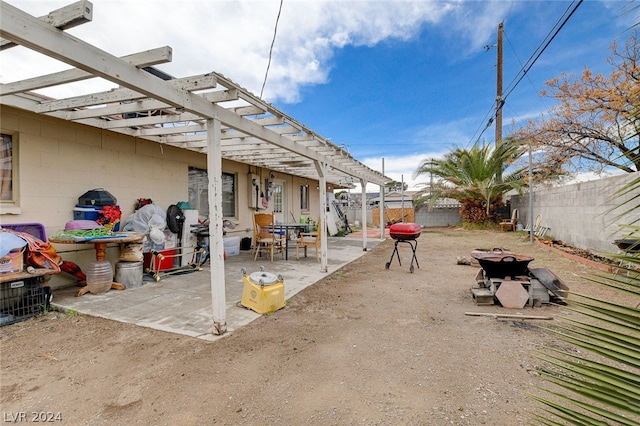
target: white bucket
<point>129,274</point>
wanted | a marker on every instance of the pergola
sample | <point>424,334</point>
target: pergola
<point>206,113</point>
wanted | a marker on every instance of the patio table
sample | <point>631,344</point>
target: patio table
<point>286,227</point>
<point>100,246</point>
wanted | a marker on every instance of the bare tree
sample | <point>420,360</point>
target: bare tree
<point>593,126</point>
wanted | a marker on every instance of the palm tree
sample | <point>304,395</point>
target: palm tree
<point>600,384</point>
<point>477,177</point>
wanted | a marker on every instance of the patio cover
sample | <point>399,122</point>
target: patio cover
<point>206,113</point>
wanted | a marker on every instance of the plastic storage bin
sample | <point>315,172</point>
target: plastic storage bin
<point>86,212</point>
<point>231,245</point>
<point>35,229</point>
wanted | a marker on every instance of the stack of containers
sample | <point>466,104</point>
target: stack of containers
<point>99,274</point>
<point>91,202</point>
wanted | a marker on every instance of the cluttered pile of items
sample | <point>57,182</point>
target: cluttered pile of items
<point>160,252</point>
<point>506,279</point>
<point>27,262</point>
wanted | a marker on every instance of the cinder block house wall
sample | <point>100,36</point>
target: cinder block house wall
<point>58,161</point>
<point>579,214</point>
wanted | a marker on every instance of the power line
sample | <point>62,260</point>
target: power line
<point>273,41</point>
<point>533,59</point>
<point>522,66</point>
<point>488,116</point>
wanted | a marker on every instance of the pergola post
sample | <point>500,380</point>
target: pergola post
<point>381,207</point>
<point>322,230</point>
<point>363,183</point>
<point>214,172</point>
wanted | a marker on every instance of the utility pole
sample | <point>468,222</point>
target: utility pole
<point>499,100</point>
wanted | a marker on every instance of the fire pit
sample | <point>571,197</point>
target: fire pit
<point>499,263</point>
<point>404,233</point>
<point>505,277</point>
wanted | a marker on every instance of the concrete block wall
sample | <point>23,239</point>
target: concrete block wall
<point>59,161</point>
<point>581,214</point>
<point>422,216</point>
<point>438,217</point>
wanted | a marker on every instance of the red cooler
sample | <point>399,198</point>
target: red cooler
<point>163,264</point>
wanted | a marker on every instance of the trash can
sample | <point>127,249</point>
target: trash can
<point>245,244</point>
<point>129,274</point>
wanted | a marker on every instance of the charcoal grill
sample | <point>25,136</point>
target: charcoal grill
<point>404,233</point>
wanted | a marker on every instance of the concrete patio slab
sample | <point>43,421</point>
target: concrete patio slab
<point>182,303</point>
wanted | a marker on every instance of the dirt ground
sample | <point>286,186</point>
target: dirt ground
<point>364,346</point>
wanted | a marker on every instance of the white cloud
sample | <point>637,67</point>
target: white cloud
<point>234,37</point>
<point>401,168</point>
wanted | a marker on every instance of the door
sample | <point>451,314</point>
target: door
<point>280,201</point>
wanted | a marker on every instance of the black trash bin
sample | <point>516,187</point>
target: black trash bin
<point>245,243</point>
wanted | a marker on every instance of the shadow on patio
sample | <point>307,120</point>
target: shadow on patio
<point>182,303</point>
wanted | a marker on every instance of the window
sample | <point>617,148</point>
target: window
<point>228,195</point>
<point>278,198</point>
<point>199,192</point>
<point>304,197</point>
<point>8,169</point>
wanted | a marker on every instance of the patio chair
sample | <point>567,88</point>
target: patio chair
<point>264,236</point>
<point>510,223</point>
<point>309,239</point>
<point>536,224</point>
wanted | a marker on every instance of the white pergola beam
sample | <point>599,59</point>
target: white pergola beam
<point>140,60</point>
<point>64,18</point>
<point>32,33</point>
<point>123,94</point>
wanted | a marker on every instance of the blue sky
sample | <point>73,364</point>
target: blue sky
<point>399,80</point>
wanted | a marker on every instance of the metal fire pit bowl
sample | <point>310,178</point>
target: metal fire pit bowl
<point>502,264</point>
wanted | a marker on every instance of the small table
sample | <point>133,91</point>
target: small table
<point>100,245</point>
<point>285,227</point>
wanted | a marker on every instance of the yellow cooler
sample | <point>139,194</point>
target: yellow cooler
<point>263,292</point>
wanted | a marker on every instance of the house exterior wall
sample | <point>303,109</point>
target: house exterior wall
<point>58,161</point>
<point>580,214</point>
